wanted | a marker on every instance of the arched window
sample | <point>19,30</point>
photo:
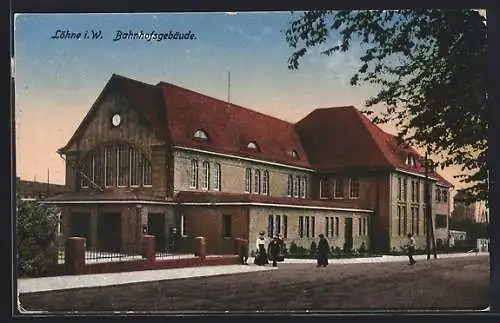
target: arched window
<point>293,154</point>
<point>201,134</point>
<point>206,175</point>
<point>217,177</point>
<point>193,183</point>
<point>116,164</point>
<point>248,180</point>
<point>253,145</point>
<point>257,181</point>
<point>265,183</point>
<point>290,186</point>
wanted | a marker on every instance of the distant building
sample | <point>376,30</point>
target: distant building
<point>464,209</point>
<point>38,190</point>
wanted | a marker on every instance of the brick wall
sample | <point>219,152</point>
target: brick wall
<point>233,173</point>
<point>259,220</point>
<point>207,222</point>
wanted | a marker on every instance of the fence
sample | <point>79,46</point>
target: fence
<point>78,260</point>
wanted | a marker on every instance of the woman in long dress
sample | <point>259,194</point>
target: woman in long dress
<point>261,254</point>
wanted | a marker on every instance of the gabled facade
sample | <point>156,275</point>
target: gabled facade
<point>177,164</point>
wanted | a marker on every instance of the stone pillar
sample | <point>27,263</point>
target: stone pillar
<point>74,255</point>
<point>200,247</point>
<point>148,243</point>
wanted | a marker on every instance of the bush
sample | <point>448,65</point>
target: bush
<point>36,231</point>
<point>293,248</point>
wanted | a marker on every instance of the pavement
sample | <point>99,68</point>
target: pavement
<point>33,285</point>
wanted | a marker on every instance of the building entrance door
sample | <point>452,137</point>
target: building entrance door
<point>80,226</point>
<point>156,227</point>
<point>348,233</point>
<point>109,232</point>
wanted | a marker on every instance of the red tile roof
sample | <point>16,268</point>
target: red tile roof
<point>328,139</point>
<point>230,127</point>
<point>343,138</point>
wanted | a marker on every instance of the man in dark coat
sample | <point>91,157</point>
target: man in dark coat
<point>274,250</point>
<point>323,251</point>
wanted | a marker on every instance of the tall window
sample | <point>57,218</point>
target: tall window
<point>313,226</point>
<point>278,224</point>
<point>135,168</point>
<point>438,195</point>
<point>217,177</point>
<point>400,221</point>
<point>303,186</point>
<point>301,226</point>
<point>290,186</point>
<point>257,181</point>
<point>226,226</point>
<point>445,195</point>
<point>307,226</point>
<point>323,188</point>
<point>285,226</point>
<point>400,189</point>
<point>412,191</point>
<point>194,174</point>
<point>123,165</point>
<point>265,182</point>
<point>360,227</point>
<point>110,169</point>
<point>248,180</point>
<point>327,226</point>
<point>405,219</point>
<point>415,218</point>
<point>354,187</point>
<point>417,188</point>
<point>336,226</point>
<point>270,226</point>
<point>296,186</point>
<point>441,221</point>
<point>405,189</point>
<point>146,174</point>
<point>206,175</point>
<point>339,188</point>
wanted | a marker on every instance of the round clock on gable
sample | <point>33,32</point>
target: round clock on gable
<point>116,120</point>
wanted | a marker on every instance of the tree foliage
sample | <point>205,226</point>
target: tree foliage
<point>430,70</point>
<point>36,237</point>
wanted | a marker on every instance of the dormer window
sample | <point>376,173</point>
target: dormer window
<point>201,134</point>
<point>411,161</point>
<point>293,154</point>
<point>253,145</point>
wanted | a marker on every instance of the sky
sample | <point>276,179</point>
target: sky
<point>58,80</point>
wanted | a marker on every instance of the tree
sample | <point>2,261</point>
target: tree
<point>36,237</point>
<point>430,70</point>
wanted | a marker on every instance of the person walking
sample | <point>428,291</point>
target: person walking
<point>274,250</point>
<point>411,249</point>
<point>261,254</point>
<point>323,251</point>
<point>244,252</point>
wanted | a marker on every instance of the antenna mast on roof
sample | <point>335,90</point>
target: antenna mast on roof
<point>228,86</point>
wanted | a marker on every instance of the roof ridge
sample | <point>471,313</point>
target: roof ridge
<point>224,102</point>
